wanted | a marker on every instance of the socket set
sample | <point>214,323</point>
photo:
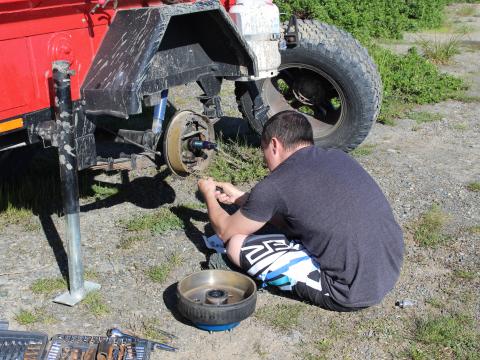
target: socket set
<point>22,345</point>
<point>79,347</point>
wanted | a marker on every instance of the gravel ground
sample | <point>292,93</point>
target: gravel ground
<point>415,165</point>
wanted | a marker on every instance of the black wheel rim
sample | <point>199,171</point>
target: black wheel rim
<point>308,90</point>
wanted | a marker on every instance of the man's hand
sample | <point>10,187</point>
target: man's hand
<point>207,187</point>
<point>229,194</point>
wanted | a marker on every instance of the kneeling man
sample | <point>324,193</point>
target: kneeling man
<point>341,248</point>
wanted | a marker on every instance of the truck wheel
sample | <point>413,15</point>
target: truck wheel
<point>330,78</point>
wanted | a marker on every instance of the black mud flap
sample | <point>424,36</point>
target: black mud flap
<point>147,50</point>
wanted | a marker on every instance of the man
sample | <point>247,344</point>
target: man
<point>344,248</point>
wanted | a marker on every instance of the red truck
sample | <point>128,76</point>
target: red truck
<point>66,65</point>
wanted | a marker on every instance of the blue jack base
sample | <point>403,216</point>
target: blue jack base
<point>211,328</point>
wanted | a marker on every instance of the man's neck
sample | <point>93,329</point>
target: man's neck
<point>289,153</point>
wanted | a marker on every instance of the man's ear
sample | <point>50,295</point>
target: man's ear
<point>276,145</point>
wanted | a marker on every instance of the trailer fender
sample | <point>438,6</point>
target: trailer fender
<point>147,50</point>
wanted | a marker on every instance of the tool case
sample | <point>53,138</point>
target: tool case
<point>22,345</point>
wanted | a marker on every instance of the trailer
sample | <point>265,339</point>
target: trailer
<point>67,64</point>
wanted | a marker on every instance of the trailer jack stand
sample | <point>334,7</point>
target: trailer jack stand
<point>65,132</point>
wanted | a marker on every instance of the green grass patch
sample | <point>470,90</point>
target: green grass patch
<point>103,191</point>
<point>460,126</point>
<point>474,186</point>
<point>18,216</point>
<point>159,273</point>
<point>446,337</point>
<point>474,229</point>
<point>428,230</point>
<point>38,315</point>
<point>238,163</point>
<point>318,350</point>
<point>440,51</point>
<point>95,304</point>
<point>363,150</point>
<point>466,10</point>
<point>410,79</point>
<point>464,274</point>
<point>436,303</point>
<point>25,317</point>
<point>421,117</point>
<point>37,188</point>
<point>128,242</point>
<point>159,222</point>
<point>281,316</point>
<point>48,286</point>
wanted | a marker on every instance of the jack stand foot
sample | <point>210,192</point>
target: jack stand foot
<point>71,299</point>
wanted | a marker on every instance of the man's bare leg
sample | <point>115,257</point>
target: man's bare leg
<point>234,245</point>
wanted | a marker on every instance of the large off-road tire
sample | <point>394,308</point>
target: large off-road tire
<point>330,78</point>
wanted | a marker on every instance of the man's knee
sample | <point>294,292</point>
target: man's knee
<point>234,246</point>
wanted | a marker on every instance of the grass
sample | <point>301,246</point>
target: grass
<point>95,304</point>
<point>38,315</point>
<point>464,274</point>
<point>318,350</point>
<point>474,186</point>
<point>428,230</point>
<point>281,316</point>
<point>445,337</point>
<point>474,229</point>
<point>410,79</point>
<point>238,163</point>
<point>421,117</point>
<point>18,216</point>
<point>159,273</point>
<point>436,303</point>
<point>102,191</point>
<point>48,286</point>
<point>128,242</point>
<point>25,317</point>
<point>460,126</point>
<point>466,10</point>
<point>159,222</point>
<point>363,150</point>
<point>440,51</point>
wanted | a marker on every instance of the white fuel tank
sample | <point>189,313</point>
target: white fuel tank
<point>259,22</point>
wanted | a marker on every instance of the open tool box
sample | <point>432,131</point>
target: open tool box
<point>79,347</point>
<point>20,345</point>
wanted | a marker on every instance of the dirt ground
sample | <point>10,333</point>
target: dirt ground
<point>416,165</point>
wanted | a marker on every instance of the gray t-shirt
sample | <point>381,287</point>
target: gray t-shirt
<point>336,210</point>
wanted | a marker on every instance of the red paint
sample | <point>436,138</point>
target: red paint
<point>34,33</point>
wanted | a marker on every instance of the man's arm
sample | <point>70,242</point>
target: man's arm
<point>225,225</point>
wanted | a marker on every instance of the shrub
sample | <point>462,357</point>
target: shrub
<point>407,79</point>
<point>374,18</point>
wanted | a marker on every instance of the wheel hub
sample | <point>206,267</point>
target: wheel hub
<point>188,143</point>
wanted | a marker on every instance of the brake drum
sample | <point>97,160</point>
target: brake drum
<point>187,126</point>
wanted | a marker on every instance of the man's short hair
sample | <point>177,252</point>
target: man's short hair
<point>290,127</point>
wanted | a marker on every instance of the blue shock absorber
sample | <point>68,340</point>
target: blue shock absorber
<point>159,113</point>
